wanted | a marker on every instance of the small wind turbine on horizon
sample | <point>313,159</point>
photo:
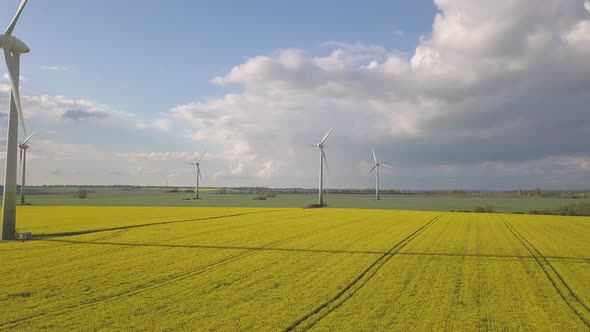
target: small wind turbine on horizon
<point>198,174</point>
<point>323,160</point>
<point>23,162</point>
<point>376,166</point>
<point>13,48</point>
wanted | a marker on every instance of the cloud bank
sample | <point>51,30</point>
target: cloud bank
<point>496,96</point>
<point>501,83</point>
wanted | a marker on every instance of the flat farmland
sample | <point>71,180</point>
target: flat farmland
<point>150,197</point>
<point>269,269</point>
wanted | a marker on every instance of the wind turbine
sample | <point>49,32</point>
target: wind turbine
<point>23,161</point>
<point>323,160</point>
<point>198,174</point>
<point>376,166</point>
<point>13,48</point>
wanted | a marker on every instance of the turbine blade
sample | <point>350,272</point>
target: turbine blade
<point>15,18</point>
<point>386,165</point>
<point>12,70</point>
<point>325,160</point>
<point>28,138</point>
<point>314,145</point>
<point>20,156</point>
<point>374,157</point>
<point>199,174</point>
<point>372,168</point>
<point>202,155</point>
<point>326,136</point>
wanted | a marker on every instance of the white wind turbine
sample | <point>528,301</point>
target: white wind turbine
<point>198,174</point>
<point>376,166</point>
<point>323,160</point>
<point>23,161</point>
<point>13,48</point>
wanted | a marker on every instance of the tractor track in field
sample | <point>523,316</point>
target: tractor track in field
<point>196,246</point>
<point>112,235</point>
<point>319,251</point>
<point>561,286</point>
<point>123,229</point>
<point>499,256</point>
<point>310,319</point>
<point>74,233</point>
<point>119,232</point>
<point>169,280</point>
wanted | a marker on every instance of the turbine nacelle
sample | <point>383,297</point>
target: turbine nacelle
<point>13,44</point>
<point>377,164</point>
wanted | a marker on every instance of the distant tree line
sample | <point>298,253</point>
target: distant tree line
<point>265,190</point>
<point>176,190</point>
<point>576,209</point>
<point>259,190</point>
<point>81,194</point>
<point>479,209</point>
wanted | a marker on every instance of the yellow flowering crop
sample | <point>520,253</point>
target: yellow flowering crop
<point>123,268</point>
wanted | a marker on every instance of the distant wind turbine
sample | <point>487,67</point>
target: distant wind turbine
<point>23,161</point>
<point>198,173</point>
<point>323,160</point>
<point>376,166</point>
<point>13,48</point>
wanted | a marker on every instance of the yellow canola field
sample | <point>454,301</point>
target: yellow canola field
<point>294,269</point>
<point>45,220</point>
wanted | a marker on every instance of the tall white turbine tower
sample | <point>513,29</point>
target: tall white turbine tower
<point>376,166</point>
<point>198,174</point>
<point>323,160</point>
<point>13,48</point>
<point>23,161</point>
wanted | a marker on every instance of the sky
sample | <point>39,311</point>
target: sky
<point>452,93</point>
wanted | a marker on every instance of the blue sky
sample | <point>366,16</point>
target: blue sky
<point>132,54</point>
<point>455,94</point>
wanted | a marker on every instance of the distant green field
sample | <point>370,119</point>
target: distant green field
<point>156,197</point>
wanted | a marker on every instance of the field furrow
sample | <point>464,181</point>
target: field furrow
<point>425,293</point>
<point>467,272</point>
<point>296,269</point>
<point>65,220</point>
<point>126,259</point>
<point>313,317</point>
<point>556,279</point>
